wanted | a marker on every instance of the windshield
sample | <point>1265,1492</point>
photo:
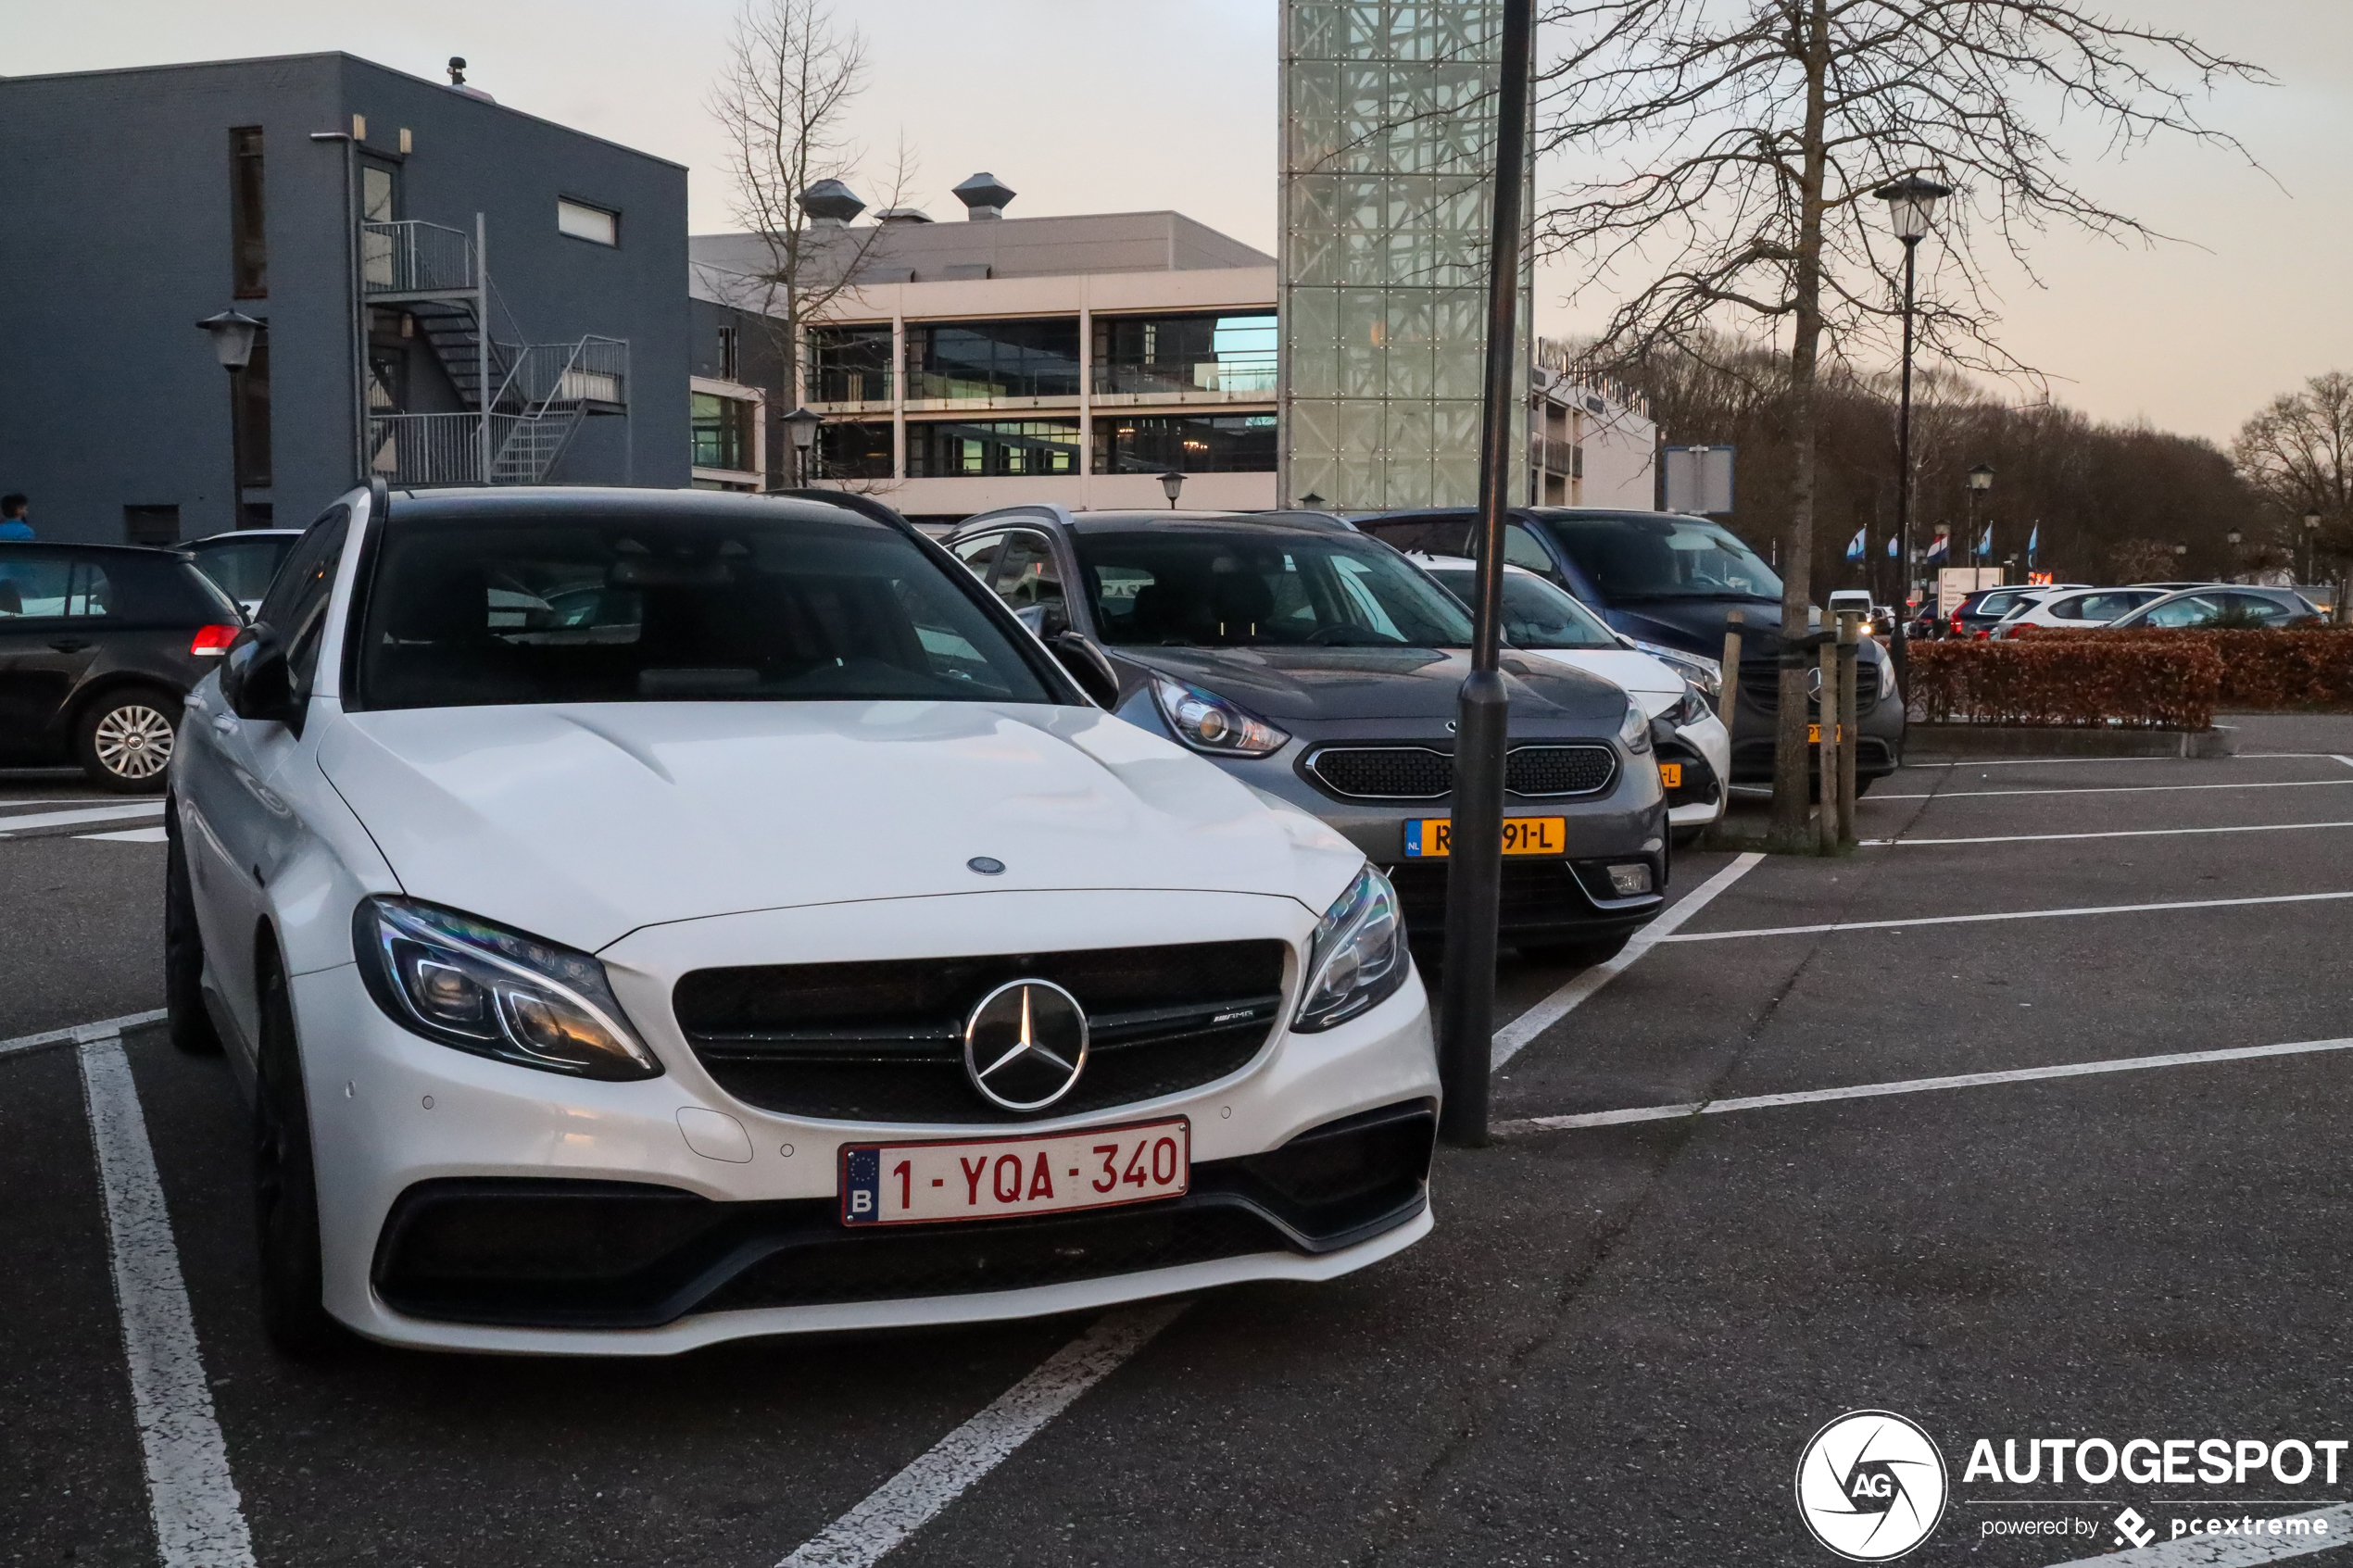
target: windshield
<point>1189,587</point>
<point>1663,557</point>
<point>474,611</point>
<point>1536,613</point>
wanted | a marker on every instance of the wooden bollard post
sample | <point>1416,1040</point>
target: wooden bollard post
<point>1826,756</point>
<point>1850,642</point>
<point>1730,694</point>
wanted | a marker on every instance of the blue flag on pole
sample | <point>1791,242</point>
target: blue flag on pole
<point>1855,545</point>
<point>2033,540</point>
<point>1891,548</point>
<point>1985,545</point>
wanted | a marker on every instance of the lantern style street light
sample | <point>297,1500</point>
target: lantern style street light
<point>1980,480</point>
<point>232,334</point>
<point>1170,484</point>
<point>1911,209</point>
<point>801,426</point>
<point>2311,546</point>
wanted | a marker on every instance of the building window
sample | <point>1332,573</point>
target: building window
<point>250,387</point>
<point>723,431</point>
<point>953,449</point>
<point>1191,353</point>
<point>248,239</point>
<point>960,361</point>
<point>152,525</point>
<point>1189,443</point>
<point>727,359</point>
<point>849,365</point>
<point>853,449</point>
<point>595,224</point>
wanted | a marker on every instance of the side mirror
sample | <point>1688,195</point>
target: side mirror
<point>1048,621</point>
<point>1087,665</point>
<point>256,680</point>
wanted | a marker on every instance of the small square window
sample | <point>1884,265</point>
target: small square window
<point>582,222</point>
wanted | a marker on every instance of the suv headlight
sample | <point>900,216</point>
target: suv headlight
<point>1359,956</point>
<point>1208,722</point>
<point>1705,673</point>
<point>1634,730</point>
<point>481,988</point>
<point>1886,677</point>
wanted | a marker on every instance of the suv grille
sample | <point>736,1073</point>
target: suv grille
<point>1761,687</point>
<point>884,1041</point>
<point>1419,772</point>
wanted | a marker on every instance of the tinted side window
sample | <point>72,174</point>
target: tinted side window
<point>1026,572</point>
<point>1521,548</point>
<point>51,587</point>
<point>1436,536</point>
<point>297,603</point>
<point>980,554</point>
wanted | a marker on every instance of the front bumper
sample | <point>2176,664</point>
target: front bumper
<point>404,1128</point>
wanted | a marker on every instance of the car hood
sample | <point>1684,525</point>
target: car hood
<point>1694,625</point>
<point>1415,683</point>
<point>1645,677</point>
<point>582,822</point>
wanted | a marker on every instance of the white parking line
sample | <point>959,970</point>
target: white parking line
<point>1911,1086</point>
<point>105,1028</point>
<point>2010,914</point>
<point>129,835</point>
<point>2339,757</point>
<point>1561,1003</point>
<point>2047,761</point>
<point>914,1496</point>
<point>2044,837</point>
<point>198,1519</point>
<point>87,814</point>
<point>2107,789</point>
<point>2233,1551</point>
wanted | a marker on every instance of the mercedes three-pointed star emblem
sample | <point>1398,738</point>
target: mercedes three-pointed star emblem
<point>1026,1045</point>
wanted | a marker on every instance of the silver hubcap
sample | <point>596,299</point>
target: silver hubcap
<point>135,742</point>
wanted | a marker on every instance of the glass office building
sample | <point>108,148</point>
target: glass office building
<point>1387,150</point>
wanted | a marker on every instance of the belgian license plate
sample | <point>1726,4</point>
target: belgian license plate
<point>1671,774</point>
<point>899,1184</point>
<point>1426,836</point>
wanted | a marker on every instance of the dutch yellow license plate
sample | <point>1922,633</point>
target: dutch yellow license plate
<point>1426,836</point>
<point>1814,733</point>
<point>1671,774</point>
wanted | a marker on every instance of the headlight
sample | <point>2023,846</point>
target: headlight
<point>471,985</point>
<point>1208,722</point>
<point>1886,677</point>
<point>1634,730</point>
<point>1705,673</point>
<point>1359,956</point>
<point>1695,706</point>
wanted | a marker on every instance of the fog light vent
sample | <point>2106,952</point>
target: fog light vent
<point>1629,880</point>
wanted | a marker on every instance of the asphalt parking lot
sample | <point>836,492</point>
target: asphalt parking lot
<point>1637,1307</point>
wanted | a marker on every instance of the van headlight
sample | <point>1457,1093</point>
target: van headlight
<point>1208,722</point>
<point>1886,677</point>
<point>481,988</point>
<point>1634,730</point>
<point>1358,959</point>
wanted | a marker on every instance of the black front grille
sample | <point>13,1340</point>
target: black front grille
<point>1753,759</point>
<point>1384,772</point>
<point>591,1254</point>
<point>1417,772</point>
<point>1534,893</point>
<point>1761,687</point>
<point>884,1041</point>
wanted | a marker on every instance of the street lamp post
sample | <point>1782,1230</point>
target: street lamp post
<point>1911,207</point>
<point>1980,480</point>
<point>2311,546</point>
<point>232,334</point>
<point>801,426</point>
<point>2232,537</point>
<point>1170,484</point>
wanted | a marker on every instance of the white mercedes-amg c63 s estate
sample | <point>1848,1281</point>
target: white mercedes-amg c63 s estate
<point>643,919</point>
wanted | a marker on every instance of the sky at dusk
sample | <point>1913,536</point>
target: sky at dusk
<point>1090,105</point>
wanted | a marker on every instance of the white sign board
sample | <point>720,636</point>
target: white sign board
<point>1699,479</point>
<point>1955,584</point>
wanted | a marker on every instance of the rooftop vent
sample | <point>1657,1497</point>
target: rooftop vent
<point>458,81</point>
<point>984,195</point>
<point>830,203</point>
<point>902,215</point>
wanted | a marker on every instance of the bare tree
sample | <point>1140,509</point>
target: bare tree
<point>785,98</point>
<point>1735,146</point>
<point>2298,455</point>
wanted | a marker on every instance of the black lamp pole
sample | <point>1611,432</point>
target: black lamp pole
<point>1474,881</point>
<point>1911,203</point>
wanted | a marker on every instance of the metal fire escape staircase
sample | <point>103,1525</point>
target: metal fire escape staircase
<point>521,402</point>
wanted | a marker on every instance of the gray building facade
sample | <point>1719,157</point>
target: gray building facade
<point>338,202</point>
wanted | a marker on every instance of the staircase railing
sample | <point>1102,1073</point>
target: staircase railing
<point>414,257</point>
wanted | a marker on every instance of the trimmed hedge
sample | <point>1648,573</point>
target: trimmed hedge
<point>2266,669</point>
<point>2138,682</point>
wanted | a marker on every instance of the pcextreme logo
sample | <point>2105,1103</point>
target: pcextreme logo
<point>1870,1485</point>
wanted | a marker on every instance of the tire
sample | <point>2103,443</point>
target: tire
<point>123,740</point>
<point>1583,955</point>
<point>190,1026</point>
<point>285,1188</point>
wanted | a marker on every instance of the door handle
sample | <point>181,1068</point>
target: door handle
<point>68,644</point>
<point>224,724</point>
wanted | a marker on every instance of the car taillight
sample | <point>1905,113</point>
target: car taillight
<point>214,640</point>
<point>1957,623</point>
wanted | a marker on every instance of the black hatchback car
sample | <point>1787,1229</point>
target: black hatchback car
<point>98,644</point>
<point>1321,667</point>
<point>1668,583</point>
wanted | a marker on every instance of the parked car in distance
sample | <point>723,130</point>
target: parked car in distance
<point>2236,606</point>
<point>1318,665</point>
<point>2080,609</point>
<point>1670,582</point>
<point>642,918</point>
<point>99,646</point>
<point>244,561</point>
<point>1986,607</point>
<point>1694,751</point>
<point>1841,600</point>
